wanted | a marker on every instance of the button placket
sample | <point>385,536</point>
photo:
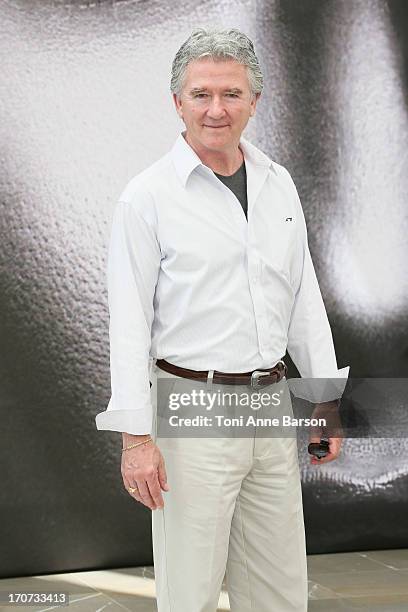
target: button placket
<point>254,267</point>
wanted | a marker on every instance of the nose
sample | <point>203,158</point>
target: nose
<point>215,108</point>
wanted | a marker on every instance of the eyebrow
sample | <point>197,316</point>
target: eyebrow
<point>203,89</point>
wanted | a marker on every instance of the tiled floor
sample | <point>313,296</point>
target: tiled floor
<point>373,581</point>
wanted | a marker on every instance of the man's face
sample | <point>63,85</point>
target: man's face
<point>216,103</point>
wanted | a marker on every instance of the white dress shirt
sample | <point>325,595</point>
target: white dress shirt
<point>190,280</point>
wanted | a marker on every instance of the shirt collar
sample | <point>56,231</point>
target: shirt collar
<point>186,160</point>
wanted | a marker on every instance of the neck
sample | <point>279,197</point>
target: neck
<point>222,162</point>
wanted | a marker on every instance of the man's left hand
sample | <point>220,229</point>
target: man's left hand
<point>330,412</point>
<point>334,450</point>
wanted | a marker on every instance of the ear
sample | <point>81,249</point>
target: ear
<point>178,105</point>
<point>254,101</point>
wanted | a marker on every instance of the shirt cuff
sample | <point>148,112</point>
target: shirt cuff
<point>136,422</point>
<point>319,390</point>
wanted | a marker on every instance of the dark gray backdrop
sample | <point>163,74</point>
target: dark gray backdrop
<point>85,105</point>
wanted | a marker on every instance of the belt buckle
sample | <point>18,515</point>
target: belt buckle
<point>255,376</point>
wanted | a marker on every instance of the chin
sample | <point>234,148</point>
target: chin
<point>216,142</point>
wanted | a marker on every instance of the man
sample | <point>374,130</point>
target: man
<point>210,278</point>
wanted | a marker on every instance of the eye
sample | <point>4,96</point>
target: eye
<point>232,95</point>
<point>200,95</point>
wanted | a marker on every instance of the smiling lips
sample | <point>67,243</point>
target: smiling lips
<point>215,126</point>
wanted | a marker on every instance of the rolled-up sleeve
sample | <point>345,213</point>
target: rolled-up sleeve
<point>310,340</point>
<point>132,272</point>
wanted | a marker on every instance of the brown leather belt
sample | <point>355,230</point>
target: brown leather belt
<point>256,378</point>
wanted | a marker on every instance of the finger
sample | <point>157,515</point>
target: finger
<point>127,484</point>
<point>334,451</point>
<point>155,492</point>
<point>131,485</point>
<point>145,496</point>
<point>162,475</point>
<point>137,497</point>
<point>135,493</point>
<point>335,445</point>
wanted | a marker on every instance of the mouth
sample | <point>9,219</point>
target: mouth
<point>215,127</point>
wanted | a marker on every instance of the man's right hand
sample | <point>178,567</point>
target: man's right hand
<point>143,468</point>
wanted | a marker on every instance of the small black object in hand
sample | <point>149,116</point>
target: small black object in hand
<point>319,449</point>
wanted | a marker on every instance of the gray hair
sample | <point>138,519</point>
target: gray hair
<point>217,45</point>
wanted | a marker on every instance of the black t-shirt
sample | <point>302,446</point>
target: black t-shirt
<point>237,182</point>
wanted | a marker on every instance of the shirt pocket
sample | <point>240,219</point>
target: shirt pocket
<point>281,250</point>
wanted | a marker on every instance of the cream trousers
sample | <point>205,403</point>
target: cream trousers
<point>234,508</point>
